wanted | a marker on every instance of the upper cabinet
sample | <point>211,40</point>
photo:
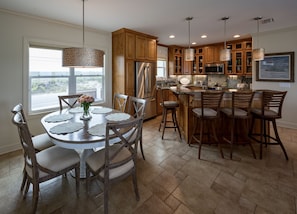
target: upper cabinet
<point>146,48</point>
<point>239,64</point>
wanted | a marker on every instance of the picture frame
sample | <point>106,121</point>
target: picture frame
<point>276,67</point>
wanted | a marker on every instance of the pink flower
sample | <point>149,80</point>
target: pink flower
<point>85,99</point>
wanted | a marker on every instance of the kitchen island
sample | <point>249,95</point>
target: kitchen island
<point>189,98</point>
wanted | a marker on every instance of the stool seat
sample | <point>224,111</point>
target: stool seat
<point>271,109</point>
<point>168,106</point>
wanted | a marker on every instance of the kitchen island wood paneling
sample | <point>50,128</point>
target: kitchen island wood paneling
<point>189,98</point>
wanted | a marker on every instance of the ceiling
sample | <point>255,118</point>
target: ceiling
<point>162,18</point>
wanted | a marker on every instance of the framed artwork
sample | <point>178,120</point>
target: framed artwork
<point>276,67</point>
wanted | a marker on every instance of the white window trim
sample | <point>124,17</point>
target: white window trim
<point>25,74</point>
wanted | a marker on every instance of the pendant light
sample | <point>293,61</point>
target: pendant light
<point>258,53</point>
<point>82,57</point>
<point>225,54</point>
<point>189,52</point>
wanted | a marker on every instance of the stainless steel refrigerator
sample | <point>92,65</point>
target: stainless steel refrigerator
<point>146,86</point>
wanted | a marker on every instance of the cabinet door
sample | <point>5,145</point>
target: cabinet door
<point>248,63</point>
<point>130,45</point>
<point>208,54</point>
<point>130,78</point>
<point>237,62</point>
<point>141,47</point>
<point>151,49</point>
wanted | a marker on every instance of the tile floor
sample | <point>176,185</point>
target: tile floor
<point>172,180</point>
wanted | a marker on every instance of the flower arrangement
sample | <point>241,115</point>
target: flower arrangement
<point>85,102</point>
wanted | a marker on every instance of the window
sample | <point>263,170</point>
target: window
<point>48,79</point>
<point>161,68</point>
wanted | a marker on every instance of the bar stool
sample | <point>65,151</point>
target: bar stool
<point>168,106</point>
<point>207,114</point>
<point>239,112</point>
<point>271,109</point>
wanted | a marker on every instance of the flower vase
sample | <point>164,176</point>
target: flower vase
<point>86,112</point>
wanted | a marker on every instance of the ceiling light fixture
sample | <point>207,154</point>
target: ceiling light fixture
<point>258,53</point>
<point>82,57</point>
<point>225,54</point>
<point>189,52</point>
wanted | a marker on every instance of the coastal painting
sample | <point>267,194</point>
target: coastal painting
<point>278,67</point>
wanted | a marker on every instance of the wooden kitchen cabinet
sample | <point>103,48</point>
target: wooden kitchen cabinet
<point>129,46</point>
<point>176,60</point>
<point>212,53</point>
<point>146,48</point>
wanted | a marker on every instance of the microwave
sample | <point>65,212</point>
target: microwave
<point>214,68</point>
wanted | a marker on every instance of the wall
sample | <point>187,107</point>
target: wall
<point>275,42</point>
<point>16,33</point>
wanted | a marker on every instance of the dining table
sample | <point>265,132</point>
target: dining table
<point>68,129</point>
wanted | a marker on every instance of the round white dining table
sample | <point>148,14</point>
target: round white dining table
<point>66,129</point>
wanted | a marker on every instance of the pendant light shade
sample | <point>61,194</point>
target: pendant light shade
<point>258,53</point>
<point>189,52</point>
<point>82,57</point>
<point>225,54</point>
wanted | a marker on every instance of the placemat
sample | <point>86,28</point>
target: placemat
<point>99,130</point>
<point>118,116</point>
<point>58,118</point>
<point>76,110</point>
<point>102,110</point>
<point>65,128</point>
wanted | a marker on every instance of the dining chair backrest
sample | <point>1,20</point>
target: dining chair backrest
<point>26,142</point>
<point>129,132</point>
<point>273,100</point>
<point>137,106</point>
<point>69,100</point>
<point>120,102</point>
<point>19,108</point>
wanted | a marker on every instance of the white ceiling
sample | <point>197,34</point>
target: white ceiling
<point>164,17</point>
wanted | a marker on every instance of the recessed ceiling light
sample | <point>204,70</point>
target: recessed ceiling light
<point>204,36</point>
<point>194,43</point>
<point>171,36</point>
<point>236,36</point>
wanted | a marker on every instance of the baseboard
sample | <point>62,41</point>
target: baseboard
<point>286,124</point>
<point>9,148</point>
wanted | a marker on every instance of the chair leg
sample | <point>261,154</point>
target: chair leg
<point>278,139</point>
<point>246,133</point>
<point>134,179</point>
<point>175,122</point>
<point>194,131</point>
<point>77,177</point>
<point>232,137</point>
<point>165,122</point>
<point>106,196</point>
<point>24,180</point>
<point>162,121</point>
<point>87,178</point>
<point>200,137</point>
<point>141,149</point>
<point>35,196</point>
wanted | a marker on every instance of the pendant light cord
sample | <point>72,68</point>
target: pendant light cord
<point>83,23</point>
<point>189,31</point>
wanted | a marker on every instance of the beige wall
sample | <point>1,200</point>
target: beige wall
<point>16,33</point>
<point>275,42</point>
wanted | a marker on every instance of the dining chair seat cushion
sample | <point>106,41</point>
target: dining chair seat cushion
<point>97,159</point>
<point>267,113</point>
<point>237,112</point>
<point>170,104</point>
<point>207,112</point>
<point>42,141</point>
<point>55,159</point>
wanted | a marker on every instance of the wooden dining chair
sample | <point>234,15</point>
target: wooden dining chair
<point>239,111</point>
<point>137,109</point>
<point>118,161</point>
<point>46,164</point>
<point>120,102</point>
<point>69,100</point>
<point>40,141</point>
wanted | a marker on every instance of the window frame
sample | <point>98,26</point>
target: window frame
<point>26,95</point>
